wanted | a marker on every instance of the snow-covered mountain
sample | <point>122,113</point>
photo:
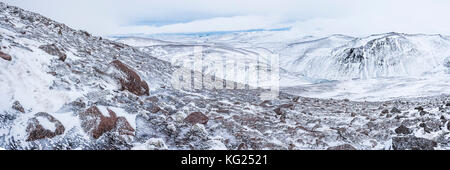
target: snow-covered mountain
<point>332,65</point>
<point>62,88</point>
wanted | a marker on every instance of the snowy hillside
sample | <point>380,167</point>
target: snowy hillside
<point>377,67</point>
<point>66,89</point>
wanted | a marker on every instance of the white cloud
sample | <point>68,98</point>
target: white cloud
<point>105,17</point>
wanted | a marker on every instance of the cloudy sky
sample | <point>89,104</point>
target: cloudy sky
<point>352,17</point>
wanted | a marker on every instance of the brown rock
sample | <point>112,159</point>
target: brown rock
<point>223,111</point>
<point>342,147</point>
<point>5,56</point>
<point>123,127</point>
<point>17,106</point>
<point>196,117</point>
<point>96,124</point>
<point>242,146</point>
<point>52,49</point>
<point>36,131</point>
<point>154,109</point>
<point>129,79</point>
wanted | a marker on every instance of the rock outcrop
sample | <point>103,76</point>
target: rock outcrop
<point>196,117</point>
<point>52,49</point>
<point>128,78</point>
<point>96,124</point>
<point>43,125</point>
<point>412,143</point>
<point>5,56</point>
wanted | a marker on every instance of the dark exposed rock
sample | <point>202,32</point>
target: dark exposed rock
<point>36,130</point>
<point>403,130</point>
<point>52,49</point>
<point>196,117</point>
<point>223,111</point>
<point>412,143</point>
<point>17,106</point>
<point>448,104</point>
<point>154,109</point>
<point>5,56</point>
<point>296,99</point>
<point>278,111</point>
<point>342,147</point>
<point>419,108</point>
<point>395,110</point>
<point>385,111</point>
<point>422,113</point>
<point>96,124</point>
<point>290,106</point>
<point>242,146</point>
<point>431,126</point>
<point>266,103</point>
<point>129,79</point>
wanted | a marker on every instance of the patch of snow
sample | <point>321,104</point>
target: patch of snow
<point>46,124</point>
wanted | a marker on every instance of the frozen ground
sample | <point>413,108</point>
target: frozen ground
<point>66,89</point>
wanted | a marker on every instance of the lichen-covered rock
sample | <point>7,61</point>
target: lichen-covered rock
<point>43,125</point>
<point>96,124</point>
<point>128,79</point>
<point>52,49</point>
<point>412,143</point>
<point>196,117</point>
<point>5,56</point>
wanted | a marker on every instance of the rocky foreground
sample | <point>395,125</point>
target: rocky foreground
<point>66,89</point>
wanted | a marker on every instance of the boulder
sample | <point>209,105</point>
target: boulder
<point>5,56</point>
<point>278,111</point>
<point>395,110</point>
<point>48,128</point>
<point>52,49</point>
<point>128,79</point>
<point>96,124</point>
<point>196,117</point>
<point>342,147</point>
<point>403,130</point>
<point>419,108</point>
<point>412,143</point>
<point>17,106</point>
<point>432,126</point>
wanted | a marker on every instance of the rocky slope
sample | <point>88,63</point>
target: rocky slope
<point>66,89</point>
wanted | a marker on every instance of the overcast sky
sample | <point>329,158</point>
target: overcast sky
<point>351,17</point>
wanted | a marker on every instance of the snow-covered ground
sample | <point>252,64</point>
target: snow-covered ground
<point>67,89</point>
<point>376,67</point>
